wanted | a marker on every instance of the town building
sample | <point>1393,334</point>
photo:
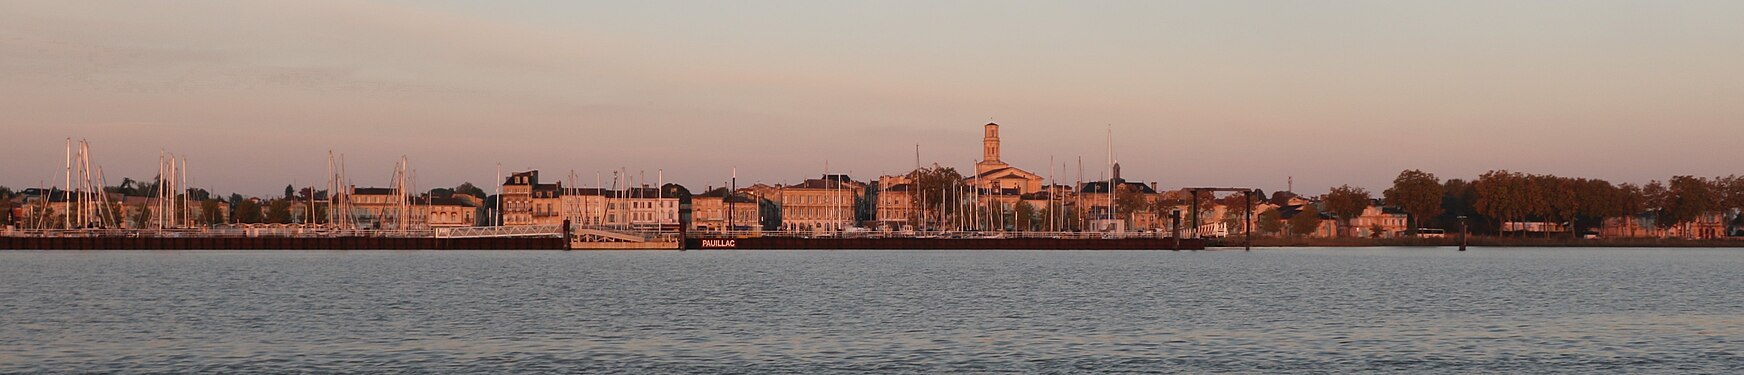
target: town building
<point>642,208</point>
<point>586,207</point>
<point>897,205</point>
<point>525,201</point>
<point>1707,226</point>
<point>1096,198</point>
<point>1328,227</point>
<point>1380,221</point>
<point>457,210</point>
<point>380,208</point>
<point>716,211</point>
<point>821,204</point>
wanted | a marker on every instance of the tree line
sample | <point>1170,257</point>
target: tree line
<point>1501,196</point>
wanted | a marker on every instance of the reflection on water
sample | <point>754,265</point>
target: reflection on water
<point>1273,311</point>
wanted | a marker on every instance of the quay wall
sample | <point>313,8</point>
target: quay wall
<point>278,243</point>
<point>795,243</point>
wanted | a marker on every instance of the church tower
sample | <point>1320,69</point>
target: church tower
<point>990,144</point>
<point>989,150</point>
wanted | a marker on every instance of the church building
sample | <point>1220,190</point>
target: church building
<point>996,177</point>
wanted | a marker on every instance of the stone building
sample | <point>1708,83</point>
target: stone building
<point>715,210</point>
<point>994,177</point>
<point>822,204</point>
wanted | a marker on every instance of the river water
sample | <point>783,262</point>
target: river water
<point>807,312</point>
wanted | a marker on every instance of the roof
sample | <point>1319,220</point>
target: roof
<point>1287,212</point>
<point>451,201</point>
<point>831,183</point>
<point>585,191</point>
<point>646,192</point>
<point>1283,197</point>
<point>1102,186</point>
<point>1005,169</point>
<point>372,191</point>
<point>532,178</point>
<point>722,194</point>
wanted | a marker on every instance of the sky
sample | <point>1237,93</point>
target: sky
<point>1195,93</point>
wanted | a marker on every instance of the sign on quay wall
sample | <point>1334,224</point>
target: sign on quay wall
<point>720,244</point>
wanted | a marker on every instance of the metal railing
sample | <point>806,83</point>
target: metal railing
<point>503,231</point>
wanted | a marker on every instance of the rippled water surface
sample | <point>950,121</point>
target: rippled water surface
<point>1271,311</point>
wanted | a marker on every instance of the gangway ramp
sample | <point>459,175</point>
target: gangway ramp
<point>502,231</point>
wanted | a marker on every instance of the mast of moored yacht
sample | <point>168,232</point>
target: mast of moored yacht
<point>1053,190</point>
<point>498,215</point>
<point>1113,212</point>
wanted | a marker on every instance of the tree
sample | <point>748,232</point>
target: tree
<point>1027,217</point>
<point>1419,193</point>
<point>1460,200</point>
<point>1732,199</point>
<point>468,189</point>
<point>197,194</point>
<point>1630,200</point>
<point>1270,222</point>
<point>1232,221</point>
<point>1560,197</point>
<point>210,213</point>
<point>939,192</point>
<point>128,187</point>
<point>248,211</point>
<point>1498,195</point>
<point>1687,199</point>
<point>1236,210</point>
<point>279,211</point>
<point>1654,200</point>
<point>1347,202</point>
<point>1305,222</point>
<point>1131,201</point>
<point>1732,192</point>
<point>290,192</point>
<point>1598,200</point>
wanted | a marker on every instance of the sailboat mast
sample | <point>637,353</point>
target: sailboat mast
<point>1113,212</point>
<point>66,220</point>
<point>498,215</point>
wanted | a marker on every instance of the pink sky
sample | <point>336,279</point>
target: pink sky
<point>1197,93</point>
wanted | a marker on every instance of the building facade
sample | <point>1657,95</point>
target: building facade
<point>823,204</point>
<point>716,211</point>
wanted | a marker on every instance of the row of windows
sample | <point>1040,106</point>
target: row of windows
<point>818,212</point>
<point>843,198</point>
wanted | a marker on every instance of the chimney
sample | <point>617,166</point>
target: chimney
<point>1154,186</point>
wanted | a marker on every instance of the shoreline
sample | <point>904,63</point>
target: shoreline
<point>1477,241</point>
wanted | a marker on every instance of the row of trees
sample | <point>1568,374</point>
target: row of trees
<point>1495,198</point>
<point>1502,196</point>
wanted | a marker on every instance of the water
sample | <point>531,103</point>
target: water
<point>1270,311</point>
